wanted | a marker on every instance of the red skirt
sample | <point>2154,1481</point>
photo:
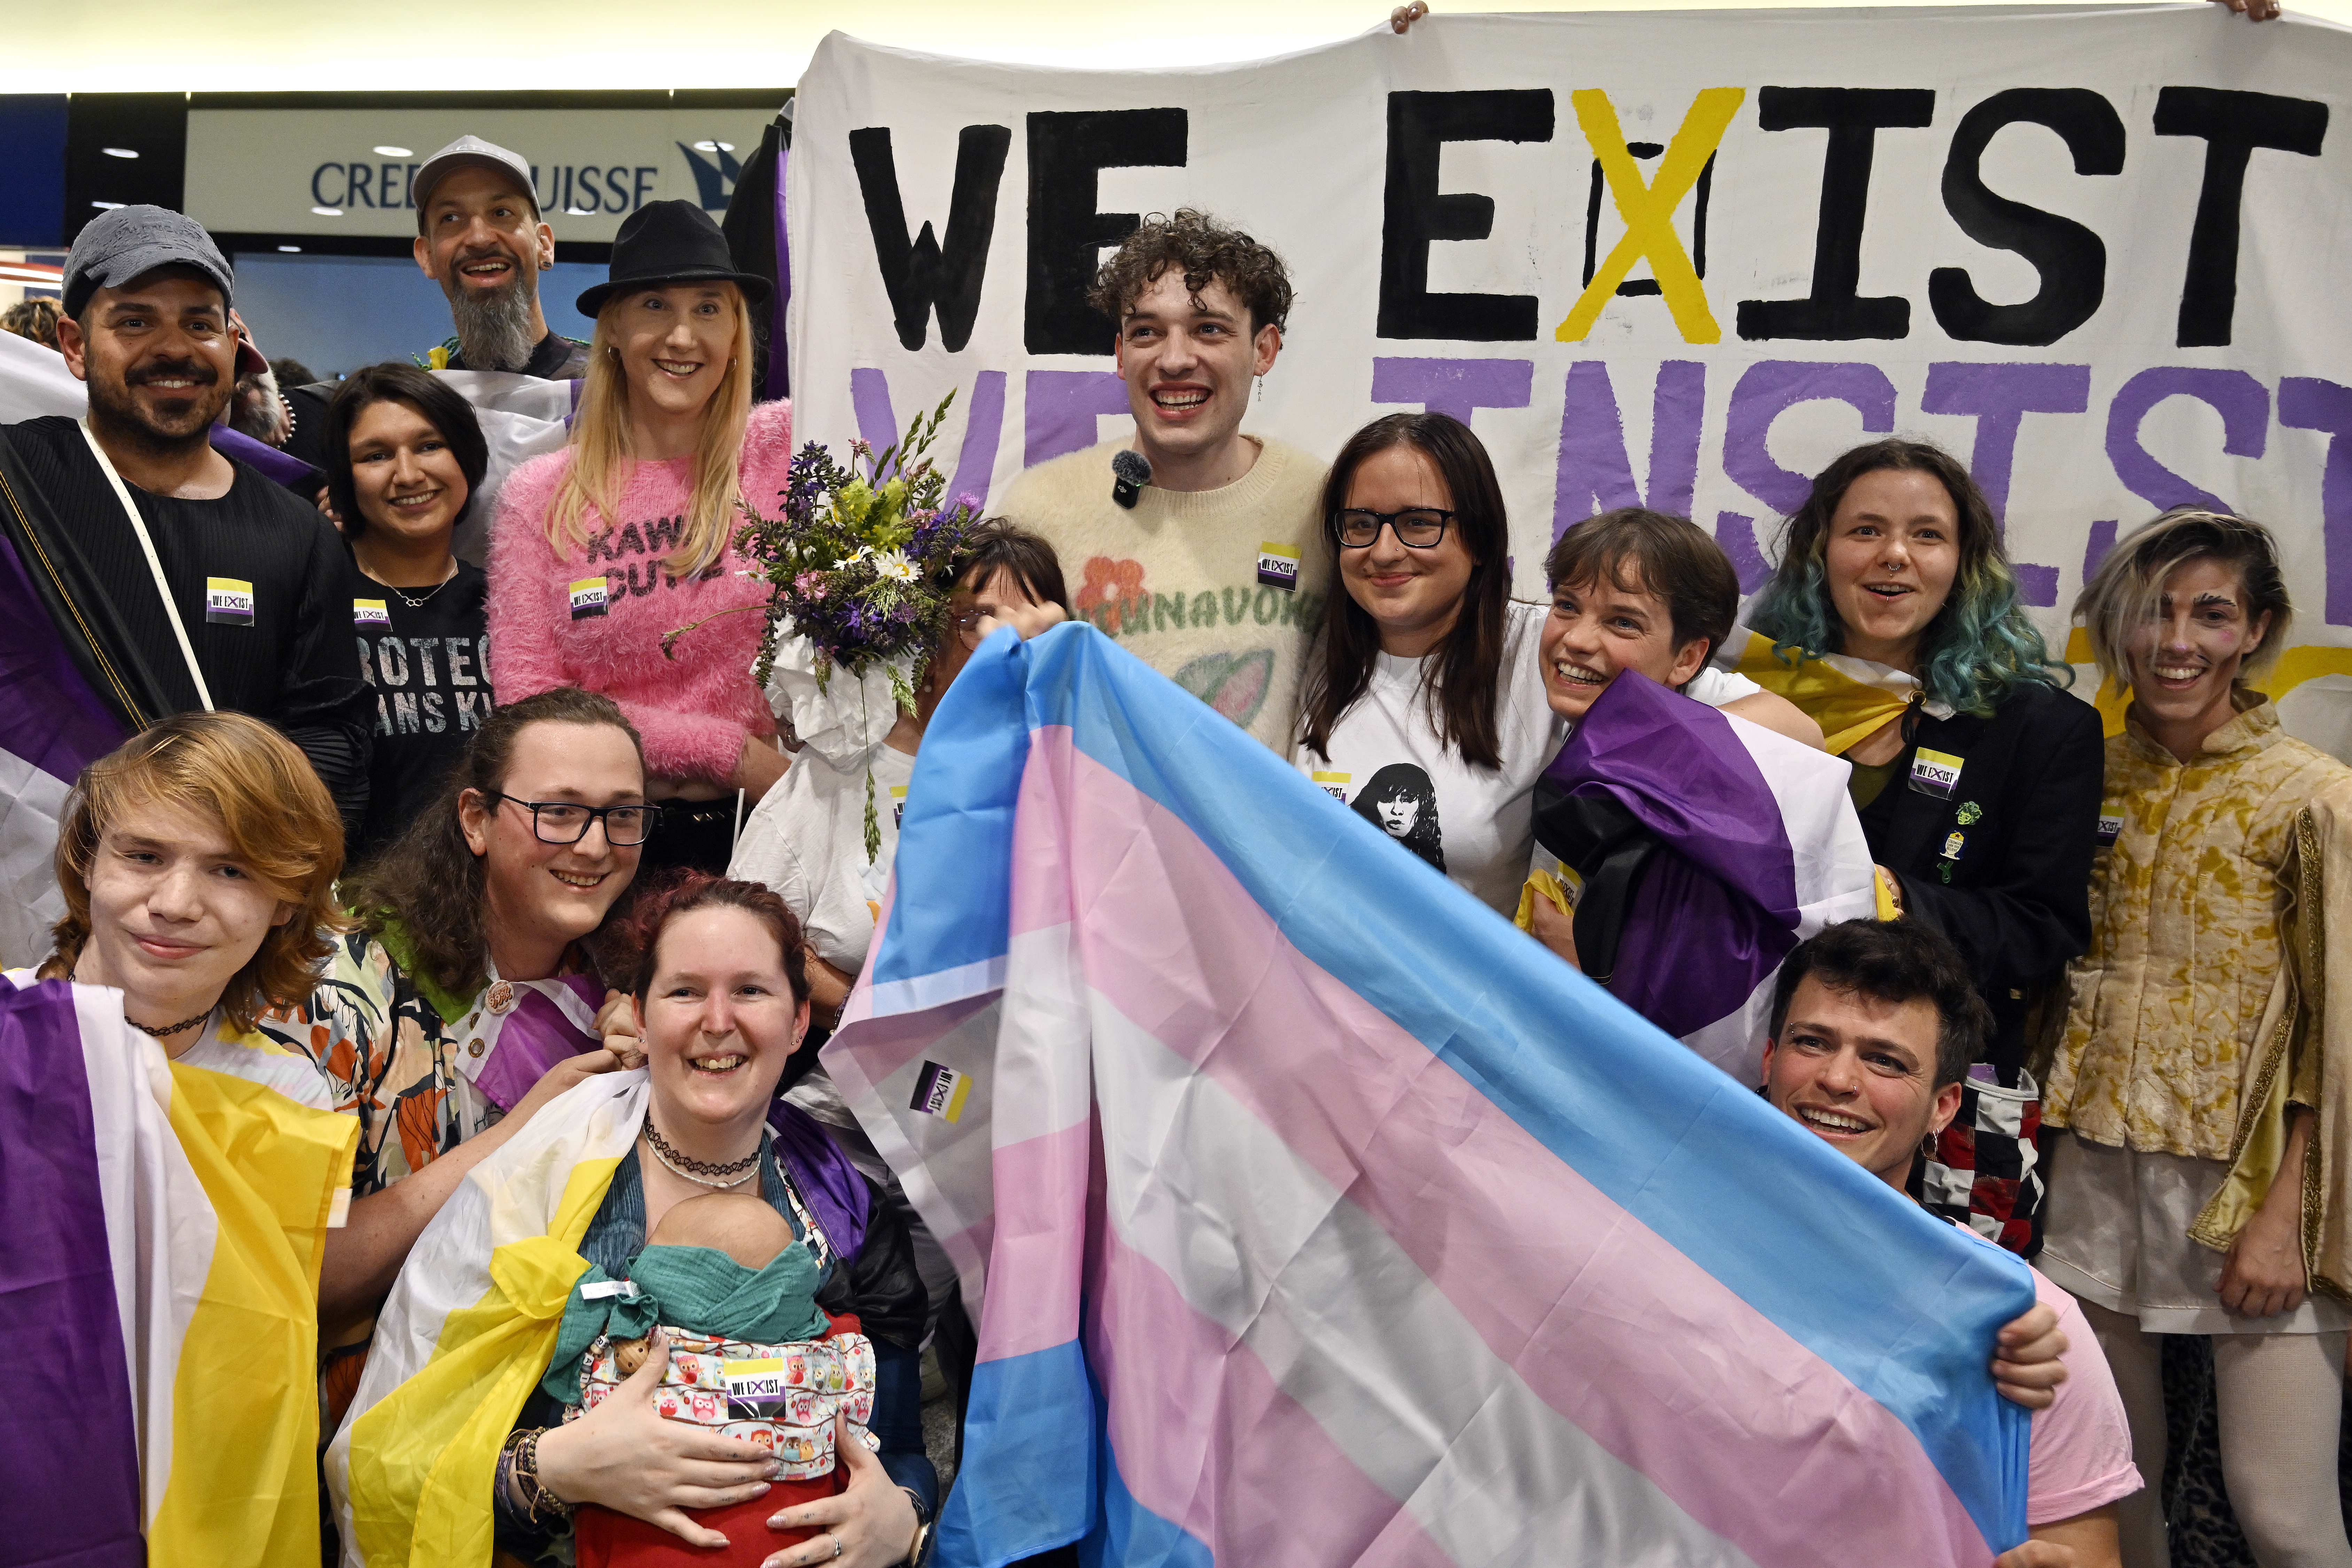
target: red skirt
<point>603,1538</point>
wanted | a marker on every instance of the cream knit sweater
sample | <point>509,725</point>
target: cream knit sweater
<point>1178,580</point>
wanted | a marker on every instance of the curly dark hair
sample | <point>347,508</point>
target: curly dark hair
<point>1207,252</point>
<point>430,881</point>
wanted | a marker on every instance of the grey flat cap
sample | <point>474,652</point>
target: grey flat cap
<point>456,155</point>
<point>128,242</point>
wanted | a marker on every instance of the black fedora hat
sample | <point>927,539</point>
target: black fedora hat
<point>671,242</point>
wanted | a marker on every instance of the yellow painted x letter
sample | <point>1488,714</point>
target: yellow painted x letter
<point>1649,210</point>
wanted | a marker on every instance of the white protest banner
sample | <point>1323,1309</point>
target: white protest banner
<point>1679,259</point>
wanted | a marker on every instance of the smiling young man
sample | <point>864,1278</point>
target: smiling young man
<point>1873,1026</point>
<point>179,579</point>
<point>1209,571</point>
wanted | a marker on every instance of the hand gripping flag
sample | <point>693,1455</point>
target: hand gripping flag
<point>159,1285</point>
<point>1314,1215</point>
<point>1708,847</point>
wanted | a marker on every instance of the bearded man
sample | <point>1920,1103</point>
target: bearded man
<point>174,577</point>
<point>478,235</point>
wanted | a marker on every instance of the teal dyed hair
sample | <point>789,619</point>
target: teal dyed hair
<point>1980,647</point>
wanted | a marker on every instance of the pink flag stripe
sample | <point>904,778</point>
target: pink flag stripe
<point>1035,1256</point>
<point>1238,1462</point>
<point>1289,1272</point>
<point>1297,1046</point>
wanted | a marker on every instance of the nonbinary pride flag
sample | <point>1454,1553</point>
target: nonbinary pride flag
<point>1314,1215</point>
<point>161,1232</point>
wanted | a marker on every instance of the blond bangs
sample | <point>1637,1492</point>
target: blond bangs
<point>281,822</point>
<point>602,454</point>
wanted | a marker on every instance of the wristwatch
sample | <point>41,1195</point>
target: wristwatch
<point>920,1545</point>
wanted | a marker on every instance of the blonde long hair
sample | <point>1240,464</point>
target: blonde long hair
<point>601,453</point>
<point>278,817</point>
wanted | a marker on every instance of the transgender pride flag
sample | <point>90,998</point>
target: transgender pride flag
<point>1314,1215</point>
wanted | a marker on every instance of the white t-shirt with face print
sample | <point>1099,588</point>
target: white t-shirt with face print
<point>1475,824</point>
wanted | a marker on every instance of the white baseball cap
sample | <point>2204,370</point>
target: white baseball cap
<point>456,155</point>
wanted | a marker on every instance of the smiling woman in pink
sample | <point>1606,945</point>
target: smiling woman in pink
<point>626,535</point>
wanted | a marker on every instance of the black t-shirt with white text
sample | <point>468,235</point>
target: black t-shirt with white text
<point>429,667</point>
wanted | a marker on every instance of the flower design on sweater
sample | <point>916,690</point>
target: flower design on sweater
<point>1110,587</point>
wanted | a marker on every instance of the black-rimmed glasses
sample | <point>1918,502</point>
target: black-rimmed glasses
<point>1417,528</point>
<point>567,822</point>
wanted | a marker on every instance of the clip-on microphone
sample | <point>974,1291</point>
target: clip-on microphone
<point>1130,471</point>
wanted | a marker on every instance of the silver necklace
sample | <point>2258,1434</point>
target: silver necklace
<point>419,601</point>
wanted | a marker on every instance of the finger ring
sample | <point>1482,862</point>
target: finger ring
<point>837,1545</point>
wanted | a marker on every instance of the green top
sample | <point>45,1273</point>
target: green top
<point>697,1288</point>
<point>1869,781</point>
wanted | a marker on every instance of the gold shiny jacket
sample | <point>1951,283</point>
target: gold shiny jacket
<point>2165,1008</point>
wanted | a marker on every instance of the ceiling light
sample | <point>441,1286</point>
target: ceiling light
<point>106,206</point>
<point>714,147</point>
<point>327,212</point>
<point>393,152</point>
<point>291,249</point>
<point>119,151</point>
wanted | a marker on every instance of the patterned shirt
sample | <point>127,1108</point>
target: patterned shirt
<point>2163,1009</point>
<point>391,1058</point>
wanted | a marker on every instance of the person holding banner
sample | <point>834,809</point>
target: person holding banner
<point>1874,1024</point>
<point>442,1446</point>
<point>2199,1187</point>
<point>405,463</point>
<point>1201,548</point>
<point>613,566</point>
<point>1894,620</point>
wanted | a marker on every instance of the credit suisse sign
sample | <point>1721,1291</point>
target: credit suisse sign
<point>349,172</point>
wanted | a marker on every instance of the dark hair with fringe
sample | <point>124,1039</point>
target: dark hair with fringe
<point>1670,558</point>
<point>432,398</point>
<point>626,953</point>
<point>430,880</point>
<point>278,819</point>
<point>1979,647</point>
<point>999,544</point>
<point>1466,671</point>
<point>2128,586</point>
<point>1205,251</point>
<point>1895,962</point>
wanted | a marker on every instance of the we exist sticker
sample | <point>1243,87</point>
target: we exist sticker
<point>228,602</point>
<point>371,613</point>
<point>589,597</point>
<point>1278,566</point>
<point>940,1091</point>
<point>1936,773</point>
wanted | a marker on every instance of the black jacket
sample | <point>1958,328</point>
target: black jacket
<point>2002,864</point>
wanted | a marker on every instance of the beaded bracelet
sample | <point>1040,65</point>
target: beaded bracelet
<point>519,1462</point>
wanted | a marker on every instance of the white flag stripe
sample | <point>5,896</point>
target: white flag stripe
<point>1404,1385</point>
<point>156,1211</point>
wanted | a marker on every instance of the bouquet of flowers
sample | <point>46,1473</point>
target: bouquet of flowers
<point>860,563</point>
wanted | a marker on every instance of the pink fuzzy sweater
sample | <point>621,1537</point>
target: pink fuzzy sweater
<point>693,711</point>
